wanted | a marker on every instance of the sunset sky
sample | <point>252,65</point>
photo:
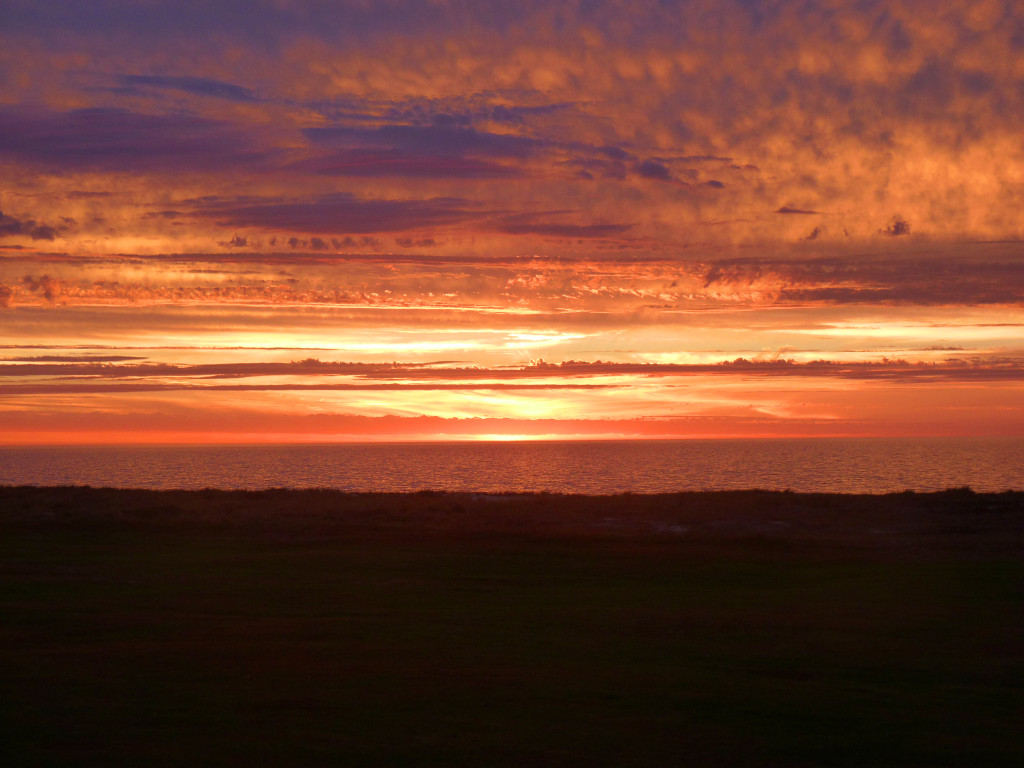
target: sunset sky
<point>274,220</point>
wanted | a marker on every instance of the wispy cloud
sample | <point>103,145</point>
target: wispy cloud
<point>122,141</point>
<point>385,162</point>
<point>341,214</point>
<point>200,86</point>
<point>10,226</point>
<point>76,373</point>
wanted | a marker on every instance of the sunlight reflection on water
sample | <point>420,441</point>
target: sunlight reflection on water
<point>825,465</point>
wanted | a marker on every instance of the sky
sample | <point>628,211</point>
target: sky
<point>274,220</point>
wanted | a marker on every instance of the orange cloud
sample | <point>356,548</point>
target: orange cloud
<point>834,192</point>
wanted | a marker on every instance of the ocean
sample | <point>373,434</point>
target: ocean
<point>840,465</point>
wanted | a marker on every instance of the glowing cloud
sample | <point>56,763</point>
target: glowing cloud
<point>463,218</point>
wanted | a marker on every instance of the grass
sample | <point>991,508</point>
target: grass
<point>318,628</point>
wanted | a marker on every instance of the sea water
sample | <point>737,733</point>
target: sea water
<point>859,465</point>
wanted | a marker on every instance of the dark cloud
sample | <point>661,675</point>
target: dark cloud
<point>46,285</point>
<point>355,242</point>
<point>72,359</point>
<point>797,211</point>
<point>83,195</point>
<point>503,113</point>
<point>95,369</point>
<point>532,224</point>
<point>454,140</point>
<point>10,226</point>
<point>97,377</point>
<point>896,227</point>
<point>896,369</point>
<point>708,159</point>
<point>408,242</point>
<point>652,169</point>
<point>590,167</point>
<point>615,153</point>
<point>937,84</point>
<point>874,279</point>
<point>119,140</point>
<point>340,214</point>
<point>446,120</point>
<point>269,22</point>
<point>565,230</point>
<point>390,162</point>
<point>453,111</point>
<point>615,162</point>
<point>83,388</point>
<point>200,86</point>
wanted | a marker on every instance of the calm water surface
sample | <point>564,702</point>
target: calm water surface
<point>827,465</point>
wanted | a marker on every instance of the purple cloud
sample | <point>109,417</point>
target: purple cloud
<point>652,169</point>
<point>341,214</point>
<point>970,278</point>
<point>451,139</point>
<point>796,211</point>
<point>532,224</point>
<point>98,375</point>
<point>10,226</point>
<point>389,162</point>
<point>119,140</point>
<point>199,86</point>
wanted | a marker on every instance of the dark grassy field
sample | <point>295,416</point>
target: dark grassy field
<point>319,628</point>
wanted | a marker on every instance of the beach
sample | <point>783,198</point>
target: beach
<point>318,627</point>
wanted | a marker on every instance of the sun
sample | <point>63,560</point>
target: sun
<point>502,437</point>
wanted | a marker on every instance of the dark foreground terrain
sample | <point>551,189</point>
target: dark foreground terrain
<point>322,628</point>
